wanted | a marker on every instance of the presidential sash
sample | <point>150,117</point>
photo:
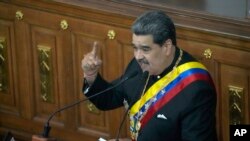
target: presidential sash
<point>163,91</point>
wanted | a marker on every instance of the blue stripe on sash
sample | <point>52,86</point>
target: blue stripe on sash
<point>170,86</point>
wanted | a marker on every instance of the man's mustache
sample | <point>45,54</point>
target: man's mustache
<point>142,61</point>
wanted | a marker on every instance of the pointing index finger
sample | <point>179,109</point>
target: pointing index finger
<point>95,48</point>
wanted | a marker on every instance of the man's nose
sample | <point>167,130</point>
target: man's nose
<point>138,54</point>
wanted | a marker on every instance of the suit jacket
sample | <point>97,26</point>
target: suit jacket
<point>189,116</point>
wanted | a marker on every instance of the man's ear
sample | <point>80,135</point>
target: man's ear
<point>168,47</point>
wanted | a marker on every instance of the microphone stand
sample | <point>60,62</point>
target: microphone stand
<point>144,76</point>
<point>122,122</point>
<point>45,134</point>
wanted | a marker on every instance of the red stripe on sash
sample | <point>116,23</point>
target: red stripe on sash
<point>171,94</point>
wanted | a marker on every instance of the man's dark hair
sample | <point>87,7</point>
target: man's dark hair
<point>157,24</point>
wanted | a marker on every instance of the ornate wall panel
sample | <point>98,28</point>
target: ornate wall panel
<point>234,89</point>
<point>236,105</point>
<point>230,75</point>
<point>113,44</point>
<point>8,97</point>
<point>89,117</point>
<point>3,66</point>
<point>45,65</point>
<point>45,73</point>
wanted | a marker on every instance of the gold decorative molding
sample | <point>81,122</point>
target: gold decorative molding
<point>64,24</point>
<point>111,34</point>
<point>3,66</point>
<point>19,15</point>
<point>236,105</point>
<point>45,72</point>
<point>208,53</point>
<point>92,108</point>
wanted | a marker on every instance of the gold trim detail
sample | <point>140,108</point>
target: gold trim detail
<point>236,105</point>
<point>208,53</point>
<point>19,15</point>
<point>64,24</point>
<point>45,73</point>
<point>111,34</point>
<point>3,66</point>
<point>92,108</point>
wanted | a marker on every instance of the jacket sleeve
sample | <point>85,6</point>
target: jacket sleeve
<point>113,98</point>
<point>107,100</point>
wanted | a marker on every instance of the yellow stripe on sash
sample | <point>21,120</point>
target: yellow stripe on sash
<point>160,84</point>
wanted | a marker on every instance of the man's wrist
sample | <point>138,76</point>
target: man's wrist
<point>86,73</point>
<point>90,78</point>
<point>86,86</point>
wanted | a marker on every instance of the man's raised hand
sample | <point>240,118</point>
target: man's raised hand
<point>91,63</point>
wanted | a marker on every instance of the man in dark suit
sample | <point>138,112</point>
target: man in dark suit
<point>171,97</point>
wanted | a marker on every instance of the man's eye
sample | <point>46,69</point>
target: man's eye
<point>135,48</point>
<point>146,49</point>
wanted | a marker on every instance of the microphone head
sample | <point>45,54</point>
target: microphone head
<point>130,75</point>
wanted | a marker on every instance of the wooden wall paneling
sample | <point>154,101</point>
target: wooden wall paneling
<point>20,69</point>
<point>232,72</point>
<point>52,32</point>
<point>8,95</point>
<point>128,54</point>
<point>116,46</point>
<point>39,29</point>
<point>45,50</point>
<point>235,106</point>
<point>226,64</point>
<point>111,44</point>
<point>41,26</point>
<point>87,120</point>
<point>117,39</point>
<point>24,66</point>
<point>90,120</point>
<point>17,109</point>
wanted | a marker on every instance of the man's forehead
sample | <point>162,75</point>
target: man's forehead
<point>142,39</point>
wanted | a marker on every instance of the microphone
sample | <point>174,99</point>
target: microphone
<point>143,81</point>
<point>47,127</point>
